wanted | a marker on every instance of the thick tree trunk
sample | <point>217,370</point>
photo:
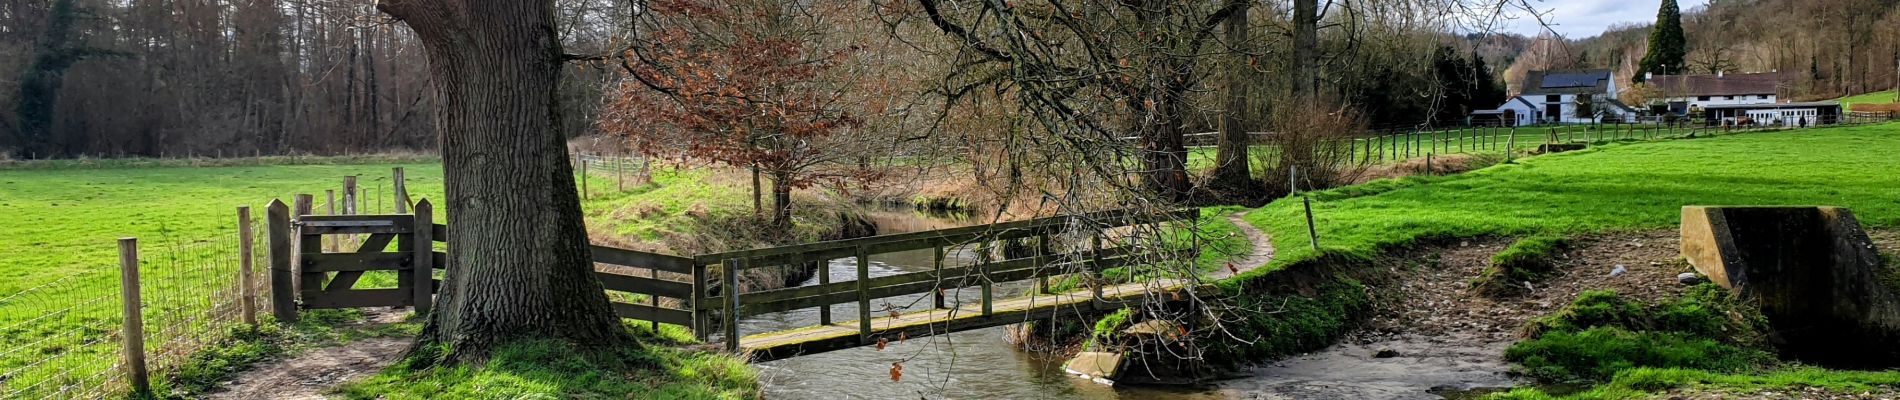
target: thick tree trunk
<point>1231,174</point>
<point>1305,48</point>
<point>518,249</point>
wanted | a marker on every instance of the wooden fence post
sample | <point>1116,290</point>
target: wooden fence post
<point>422,269</point>
<point>134,322</point>
<point>283,281</point>
<point>330,206</point>
<point>349,195</point>
<point>583,161</point>
<point>247,298</point>
<point>731,324</point>
<point>1510,145</point>
<point>1311,232</point>
<point>402,191</point>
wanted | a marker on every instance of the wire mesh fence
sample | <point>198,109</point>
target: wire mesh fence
<point>65,338</point>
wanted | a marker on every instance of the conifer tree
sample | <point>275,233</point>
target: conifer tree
<point>1667,46</point>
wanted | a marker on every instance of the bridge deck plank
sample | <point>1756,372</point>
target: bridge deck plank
<point>844,334</point>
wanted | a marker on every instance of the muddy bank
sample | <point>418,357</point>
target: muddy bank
<point>1442,338</point>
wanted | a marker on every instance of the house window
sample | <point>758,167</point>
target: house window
<point>1702,98</point>
<point>1555,98</point>
<point>1761,97</point>
<point>1730,98</point>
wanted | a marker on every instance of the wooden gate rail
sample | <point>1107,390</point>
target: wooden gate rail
<point>327,279</point>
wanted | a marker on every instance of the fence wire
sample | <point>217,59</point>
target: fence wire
<point>64,339</point>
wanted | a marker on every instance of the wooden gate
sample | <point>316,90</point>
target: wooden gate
<point>316,279</point>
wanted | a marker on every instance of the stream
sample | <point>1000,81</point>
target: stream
<point>983,364</point>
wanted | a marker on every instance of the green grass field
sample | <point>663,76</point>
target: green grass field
<point>1609,188</point>
<point>1614,187</point>
<point>1880,97</point>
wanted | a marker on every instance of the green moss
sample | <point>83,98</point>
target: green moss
<point>1597,353</point>
<point>1108,329</point>
<point>1526,260</point>
<point>1601,333</point>
<point>555,369</point>
<point>1284,323</point>
<point>1643,382</point>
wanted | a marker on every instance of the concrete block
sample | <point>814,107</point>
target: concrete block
<point>1100,367</point>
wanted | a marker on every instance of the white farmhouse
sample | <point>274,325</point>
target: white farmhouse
<point>1577,97</point>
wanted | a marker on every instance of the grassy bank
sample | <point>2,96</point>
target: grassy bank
<point>1608,188</point>
<point>1614,187</point>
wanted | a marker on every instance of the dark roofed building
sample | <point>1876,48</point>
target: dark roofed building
<point>1570,97</point>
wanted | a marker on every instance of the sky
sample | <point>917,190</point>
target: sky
<point>1577,19</point>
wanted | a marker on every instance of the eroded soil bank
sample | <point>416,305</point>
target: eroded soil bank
<point>1443,339</point>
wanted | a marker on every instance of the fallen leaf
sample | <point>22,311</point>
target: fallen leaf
<point>897,371</point>
<point>881,342</point>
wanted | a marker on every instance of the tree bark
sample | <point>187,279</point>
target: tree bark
<point>781,200</point>
<point>1305,48</point>
<point>521,265</point>
<point>1231,174</point>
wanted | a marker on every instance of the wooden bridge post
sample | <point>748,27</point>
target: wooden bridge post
<point>283,287</point>
<point>1095,268</point>
<point>938,264</point>
<point>1041,259</point>
<point>983,268</point>
<point>732,304</point>
<point>864,296</point>
<point>422,265</point>
<point>699,306</point>
<point>824,278</point>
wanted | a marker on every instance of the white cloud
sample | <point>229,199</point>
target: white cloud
<point>1577,19</point>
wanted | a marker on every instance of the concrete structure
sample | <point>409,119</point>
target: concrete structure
<point>1811,270</point>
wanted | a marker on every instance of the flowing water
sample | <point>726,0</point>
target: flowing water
<point>982,364</point>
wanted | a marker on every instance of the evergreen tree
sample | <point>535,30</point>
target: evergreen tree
<point>1667,46</point>
<point>1487,93</point>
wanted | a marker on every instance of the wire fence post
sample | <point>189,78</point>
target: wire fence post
<point>1312,234</point>
<point>247,299</point>
<point>402,191</point>
<point>134,322</point>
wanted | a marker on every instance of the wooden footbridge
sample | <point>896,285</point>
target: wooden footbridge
<point>694,292</point>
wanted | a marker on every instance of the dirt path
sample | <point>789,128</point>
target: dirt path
<point>1262,247</point>
<point>311,373</point>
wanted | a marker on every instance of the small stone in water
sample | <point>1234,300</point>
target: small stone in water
<point>1385,352</point>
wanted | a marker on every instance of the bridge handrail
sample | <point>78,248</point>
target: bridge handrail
<point>841,248</point>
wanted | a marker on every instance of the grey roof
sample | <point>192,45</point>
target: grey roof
<point>1724,85</point>
<point>1567,82</point>
<point>1520,99</point>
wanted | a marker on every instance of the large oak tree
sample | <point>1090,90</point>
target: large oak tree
<point>519,255</point>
